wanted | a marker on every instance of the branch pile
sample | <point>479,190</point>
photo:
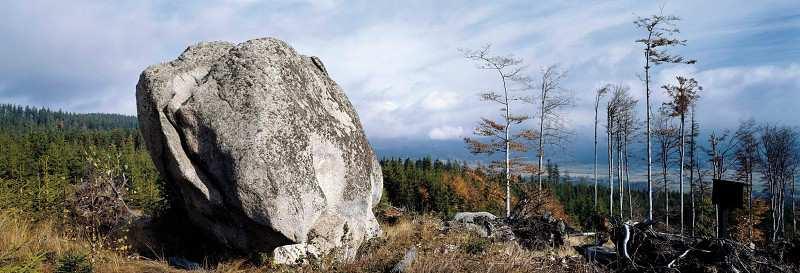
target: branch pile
<point>535,227</point>
<point>642,249</point>
<point>539,232</point>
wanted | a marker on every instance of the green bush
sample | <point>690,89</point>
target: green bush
<point>73,263</point>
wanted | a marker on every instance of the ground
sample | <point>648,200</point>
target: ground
<point>26,247</point>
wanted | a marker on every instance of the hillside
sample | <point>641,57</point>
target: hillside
<point>48,171</point>
<point>46,168</point>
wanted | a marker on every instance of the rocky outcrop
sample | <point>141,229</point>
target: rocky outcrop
<point>261,148</point>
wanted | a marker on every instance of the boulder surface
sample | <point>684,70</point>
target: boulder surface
<point>261,148</point>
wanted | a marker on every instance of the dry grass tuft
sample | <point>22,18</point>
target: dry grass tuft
<point>28,247</point>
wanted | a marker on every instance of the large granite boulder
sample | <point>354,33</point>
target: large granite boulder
<point>262,148</point>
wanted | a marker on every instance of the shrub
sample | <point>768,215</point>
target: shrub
<point>98,206</point>
<point>73,263</point>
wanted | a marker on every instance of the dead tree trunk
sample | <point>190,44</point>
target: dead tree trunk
<point>600,94</point>
<point>628,181</point>
<point>610,164</point>
<point>693,139</point>
<point>681,170</point>
<point>664,159</point>
<point>621,176</point>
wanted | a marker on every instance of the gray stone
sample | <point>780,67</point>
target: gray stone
<point>295,254</point>
<point>473,217</point>
<point>484,224</point>
<point>405,263</point>
<point>262,148</point>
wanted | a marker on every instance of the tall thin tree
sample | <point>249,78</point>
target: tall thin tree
<point>552,100</point>
<point>720,149</point>
<point>659,30</point>
<point>618,107</point>
<point>610,112</point>
<point>497,136</point>
<point>695,127</point>
<point>622,124</point>
<point>746,156</point>
<point>666,137</point>
<point>779,161</point>
<point>628,127</point>
<point>683,95</point>
<point>598,95</point>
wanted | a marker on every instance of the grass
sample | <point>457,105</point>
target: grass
<point>27,247</point>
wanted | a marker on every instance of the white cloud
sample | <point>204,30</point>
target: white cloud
<point>766,93</point>
<point>440,101</point>
<point>446,132</point>
<point>397,62</point>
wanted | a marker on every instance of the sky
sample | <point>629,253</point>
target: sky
<point>399,61</point>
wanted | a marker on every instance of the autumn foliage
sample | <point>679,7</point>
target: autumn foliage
<point>427,185</point>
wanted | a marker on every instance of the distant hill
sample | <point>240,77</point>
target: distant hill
<point>18,118</point>
<point>421,148</point>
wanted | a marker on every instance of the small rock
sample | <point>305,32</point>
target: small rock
<point>479,222</point>
<point>406,262</point>
<point>473,217</point>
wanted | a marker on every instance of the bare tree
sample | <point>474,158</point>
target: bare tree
<point>794,216</point>
<point>704,190</point>
<point>497,136</point>
<point>659,30</point>
<point>721,147</point>
<point>695,127</point>
<point>666,137</point>
<point>619,114</point>
<point>779,162</point>
<point>598,95</point>
<point>622,121</point>
<point>627,127</point>
<point>683,95</point>
<point>746,156</point>
<point>552,100</point>
<point>611,110</point>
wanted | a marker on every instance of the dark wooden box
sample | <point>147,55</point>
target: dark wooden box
<point>728,194</point>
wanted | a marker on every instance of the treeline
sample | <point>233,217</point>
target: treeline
<point>46,157</point>
<point>21,119</point>
<point>445,187</point>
